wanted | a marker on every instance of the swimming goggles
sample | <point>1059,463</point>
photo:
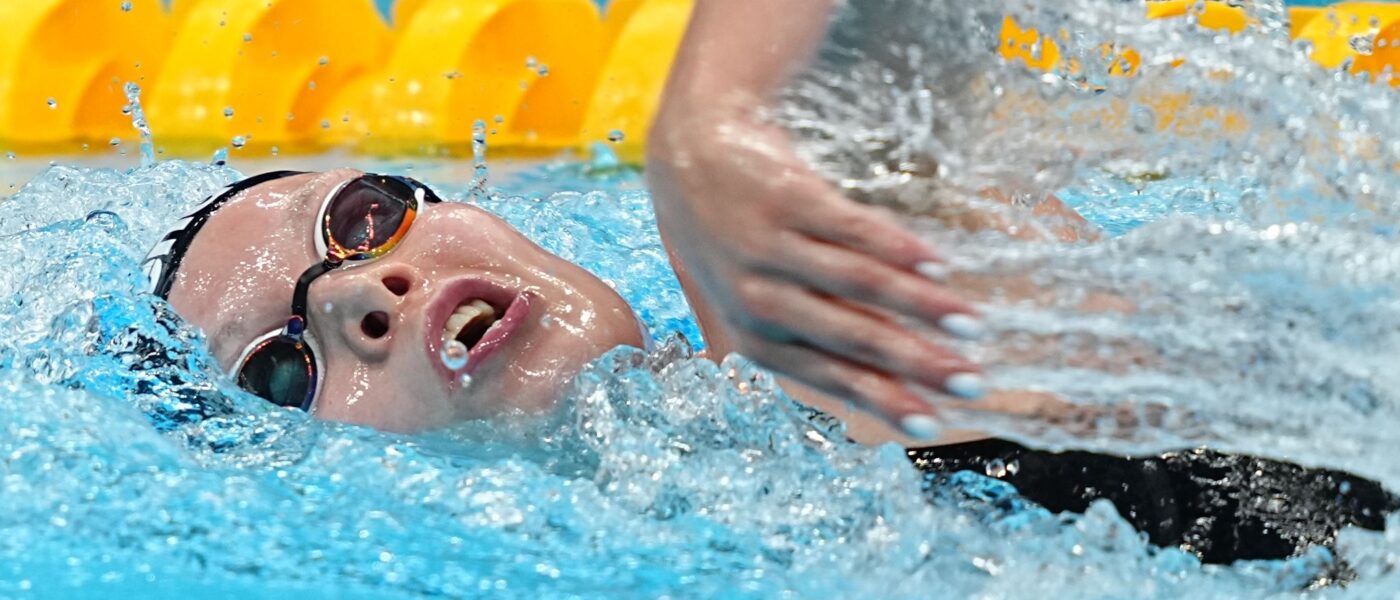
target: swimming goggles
<point>360,221</point>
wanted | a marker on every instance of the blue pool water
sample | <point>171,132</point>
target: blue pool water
<point>1264,314</point>
<point>130,463</point>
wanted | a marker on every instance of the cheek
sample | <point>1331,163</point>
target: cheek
<point>462,236</point>
<point>386,396</point>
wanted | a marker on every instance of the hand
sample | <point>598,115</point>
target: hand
<point>799,278</point>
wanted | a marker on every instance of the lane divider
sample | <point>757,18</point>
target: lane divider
<point>536,75</point>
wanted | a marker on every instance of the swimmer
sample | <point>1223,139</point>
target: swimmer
<point>362,298</point>
<point>338,293</point>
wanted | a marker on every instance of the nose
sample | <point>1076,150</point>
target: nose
<point>362,306</point>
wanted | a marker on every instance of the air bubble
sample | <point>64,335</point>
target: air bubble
<point>126,6</point>
<point>53,103</point>
<point>115,141</point>
<point>615,136</point>
<point>465,380</point>
<point>228,112</point>
<point>325,60</point>
<point>996,468</point>
<point>455,355</point>
<point>239,141</point>
<point>247,37</point>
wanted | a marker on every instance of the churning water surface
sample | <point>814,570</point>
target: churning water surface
<point>1251,266</point>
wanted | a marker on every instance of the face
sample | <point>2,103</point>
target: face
<point>379,328</point>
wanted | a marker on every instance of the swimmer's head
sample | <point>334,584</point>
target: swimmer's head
<point>378,327</point>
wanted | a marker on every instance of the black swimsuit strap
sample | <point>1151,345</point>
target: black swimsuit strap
<point>1220,507</point>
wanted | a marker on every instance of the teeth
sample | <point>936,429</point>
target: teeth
<point>465,315</point>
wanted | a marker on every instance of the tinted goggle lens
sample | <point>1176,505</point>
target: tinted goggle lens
<point>280,371</point>
<point>369,216</point>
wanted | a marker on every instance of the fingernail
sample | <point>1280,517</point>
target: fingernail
<point>936,271</point>
<point>963,326</point>
<point>920,427</point>
<point>968,386</point>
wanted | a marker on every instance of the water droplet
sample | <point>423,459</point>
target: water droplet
<point>543,71</point>
<point>10,155</point>
<point>996,468</point>
<point>325,60</point>
<point>115,141</point>
<point>530,62</point>
<point>452,74</point>
<point>329,306</point>
<point>1144,120</point>
<point>220,156</point>
<point>615,135</point>
<point>275,150</point>
<point>228,112</point>
<point>247,37</point>
<point>126,6</point>
<point>1362,43</point>
<point>239,141</point>
<point>325,124</point>
<point>138,122</point>
<point>454,355</point>
<point>53,103</point>
<point>499,119</point>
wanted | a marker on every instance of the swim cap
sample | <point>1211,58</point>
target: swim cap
<point>163,260</point>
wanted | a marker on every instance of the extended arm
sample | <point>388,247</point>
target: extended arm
<point>780,266</point>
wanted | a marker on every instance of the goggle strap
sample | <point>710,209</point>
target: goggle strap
<point>303,288</point>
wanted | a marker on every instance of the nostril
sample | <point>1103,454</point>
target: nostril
<point>398,285</point>
<point>375,324</point>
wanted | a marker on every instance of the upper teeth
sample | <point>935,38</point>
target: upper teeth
<point>465,315</point>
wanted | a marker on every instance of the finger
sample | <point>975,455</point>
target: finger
<point>838,220</point>
<point>847,274</point>
<point>786,312</point>
<point>877,393</point>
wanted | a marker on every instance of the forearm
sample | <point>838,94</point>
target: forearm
<point>738,53</point>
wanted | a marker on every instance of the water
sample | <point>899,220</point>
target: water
<point>1262,319</point>
<point>1242,289</point>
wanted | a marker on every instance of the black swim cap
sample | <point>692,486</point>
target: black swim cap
<point>163,260</point>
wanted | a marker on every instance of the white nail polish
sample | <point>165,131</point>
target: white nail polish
<point>962,326</point>
<point>968,386</point>
<point>920,427</point>
<point>936,271</point>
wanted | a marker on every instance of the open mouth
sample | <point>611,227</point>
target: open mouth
<point>469,322</point>
<point>479,314</point>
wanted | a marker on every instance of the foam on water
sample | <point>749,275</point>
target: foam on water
<point>129,463</point>
<point>1243,291</point>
